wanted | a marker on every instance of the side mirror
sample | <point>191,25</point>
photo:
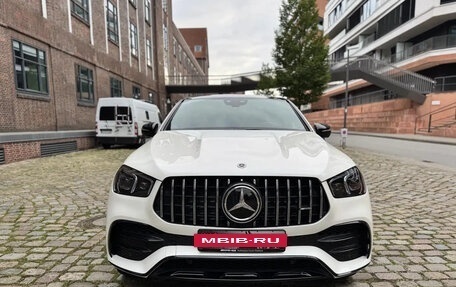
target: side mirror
<point>322,130</point>
<point>150,129</point>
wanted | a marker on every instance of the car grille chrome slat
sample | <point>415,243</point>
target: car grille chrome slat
<point>183,201</point>
<point>288,201</point>
<point>266,202</point>
<point>277,211</point>
<point>194,201</point>
<point>310,203</point>
<point>197,201</point>
<point>172,201</point>
<point>217,199</point>
<point>205,202</point>
<point>300,200</point>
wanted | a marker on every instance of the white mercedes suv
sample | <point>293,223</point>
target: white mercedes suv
<point>236,187</point>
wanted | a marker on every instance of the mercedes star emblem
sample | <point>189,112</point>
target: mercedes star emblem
<point>241,203</point>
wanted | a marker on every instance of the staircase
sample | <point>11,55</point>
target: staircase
<point>405,83</point>
<point>442,118</point>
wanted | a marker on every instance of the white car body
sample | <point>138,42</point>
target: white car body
<point>275,155</point>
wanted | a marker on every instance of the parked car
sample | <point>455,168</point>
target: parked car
<point>120,120</point>
<point>235,187</point>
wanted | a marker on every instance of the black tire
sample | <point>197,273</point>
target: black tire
<point>106,146</point>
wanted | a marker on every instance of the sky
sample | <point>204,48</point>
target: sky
<point>240,32</point>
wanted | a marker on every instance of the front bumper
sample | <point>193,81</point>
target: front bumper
<point>139,246</point>
<point>141,243</point>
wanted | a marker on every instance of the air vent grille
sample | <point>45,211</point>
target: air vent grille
<point>58,148</point>
<point>2,156</point>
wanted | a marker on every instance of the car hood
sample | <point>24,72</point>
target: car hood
<point>238,153</point>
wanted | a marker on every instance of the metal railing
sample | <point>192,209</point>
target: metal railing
<point>443,117</point>
<point>198,80</point>
<point>406,79</point>
<point>434,43</point>
<point>447,83</point>
<point>367,98</point>
<point>431,44</point>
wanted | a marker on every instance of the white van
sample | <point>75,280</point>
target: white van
<point>119,120</point>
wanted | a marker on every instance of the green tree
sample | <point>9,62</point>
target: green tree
<point>300,54</point>
<point>267,80</point>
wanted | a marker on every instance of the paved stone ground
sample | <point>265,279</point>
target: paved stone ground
<point>52,233</point>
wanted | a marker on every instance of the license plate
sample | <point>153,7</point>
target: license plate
<point>105,131</point>
<point>240,241</point>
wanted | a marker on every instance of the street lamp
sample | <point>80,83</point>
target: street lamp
<point>344,130</point>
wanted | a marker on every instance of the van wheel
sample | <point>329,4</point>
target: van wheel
<point>106,146</point>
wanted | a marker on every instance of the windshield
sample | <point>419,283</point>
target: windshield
<point>236,113</point>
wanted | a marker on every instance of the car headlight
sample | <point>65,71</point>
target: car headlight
<point>347,184</point>
<point>129,181</point>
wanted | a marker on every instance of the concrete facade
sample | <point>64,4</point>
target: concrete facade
<point>421,40</point>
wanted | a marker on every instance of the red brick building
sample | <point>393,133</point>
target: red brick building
<point>58,57</point>
<point>196,39</point>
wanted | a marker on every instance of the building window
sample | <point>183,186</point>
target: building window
<point>165,5</point>
<point>84,84</point>
<point>111,20</point>
<point>133,2</point>
<point>147,10</point>
<point>80,8</point>
<point>369,8</point>
<point>116,88</point>
<point>136,92</point>
<point>148,52</point>
<point>30,67</point>
<point>396,18</point>
<point>133,39</point>
<point>198,48</point>
<point>165,38</point>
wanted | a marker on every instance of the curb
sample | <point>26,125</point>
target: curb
<point>408,137</point>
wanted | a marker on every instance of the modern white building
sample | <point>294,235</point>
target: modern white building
<point>386,40</point>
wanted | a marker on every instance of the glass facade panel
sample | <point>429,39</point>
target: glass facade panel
<point>84,84</point>
<point>30,68</point>
<point>149,52</point>
<point>111,20</point>
<point>80,8</point>
<point>133,39</point>
<point>147,10</point>
<point>116,88</point>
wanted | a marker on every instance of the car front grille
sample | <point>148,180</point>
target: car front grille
<point>197,201</point>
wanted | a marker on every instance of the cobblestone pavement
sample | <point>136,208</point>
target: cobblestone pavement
<point>52,222</point>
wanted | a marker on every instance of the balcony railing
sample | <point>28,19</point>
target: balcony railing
<point>444,84</point>
<point>434,43</point>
